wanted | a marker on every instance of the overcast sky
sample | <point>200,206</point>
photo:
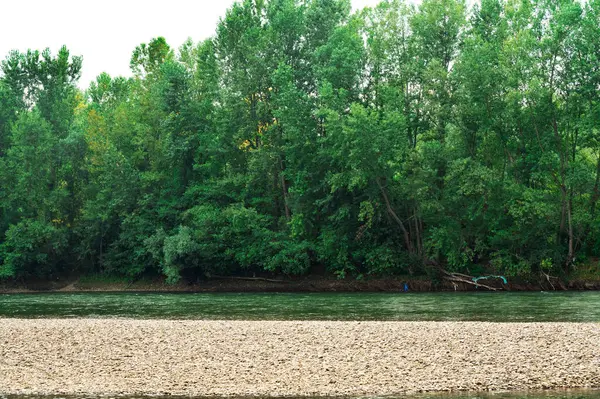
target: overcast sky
<point>106,32</point>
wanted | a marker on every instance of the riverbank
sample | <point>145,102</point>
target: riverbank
<point>299,284</point>
<point>310,358</point>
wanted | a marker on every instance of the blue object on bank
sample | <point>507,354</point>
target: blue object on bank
<point>405,287</point>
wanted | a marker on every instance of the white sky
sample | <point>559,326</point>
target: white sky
<point>106,32</point>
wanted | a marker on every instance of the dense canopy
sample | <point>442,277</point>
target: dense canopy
<point>304,138</point>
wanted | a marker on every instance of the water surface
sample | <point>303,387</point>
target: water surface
<point>483,306</point>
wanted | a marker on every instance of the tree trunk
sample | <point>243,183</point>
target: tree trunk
<point>595,191</point>
<point>418,232</point>
<point>567,203</point>
<point>570,225</point>
<point>394,216</point>
<point>284,188</point>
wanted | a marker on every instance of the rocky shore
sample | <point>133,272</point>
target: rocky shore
<point>273,358</point>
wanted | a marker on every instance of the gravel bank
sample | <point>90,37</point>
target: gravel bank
<point>271,358</point>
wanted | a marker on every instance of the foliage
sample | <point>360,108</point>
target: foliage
<point>303,137</point>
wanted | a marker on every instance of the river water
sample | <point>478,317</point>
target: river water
<point>496,307</point>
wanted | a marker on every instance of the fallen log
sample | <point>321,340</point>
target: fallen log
<point>463,278</point>
<point>549,278</point>
<point>460,280</point>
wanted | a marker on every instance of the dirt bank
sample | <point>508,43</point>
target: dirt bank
<point>300,284</point>
<point>272,358</point>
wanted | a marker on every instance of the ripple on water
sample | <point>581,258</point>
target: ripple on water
<point>472,306</point>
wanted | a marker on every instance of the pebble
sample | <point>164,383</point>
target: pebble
<point>281,358</point>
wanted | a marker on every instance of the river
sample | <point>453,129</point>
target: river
<point>483,306</point>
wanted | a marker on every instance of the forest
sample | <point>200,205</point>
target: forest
<point>307,138</point>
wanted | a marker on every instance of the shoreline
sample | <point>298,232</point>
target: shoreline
<point>287,358</point>
<point>310,284</point>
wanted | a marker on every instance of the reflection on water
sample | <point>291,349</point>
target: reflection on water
<point>483,306</point>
